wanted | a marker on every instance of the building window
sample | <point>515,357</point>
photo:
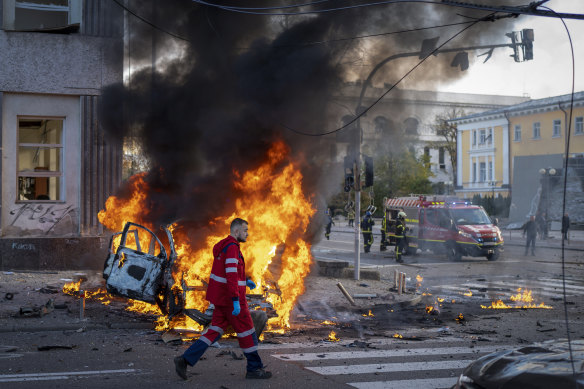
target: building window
<point>35,15</point>
<point>474,172</point>
<point>39,161</point>
<point>441,158</point>
<point>490,172</point>
<point>517,134</point>
<point>536,130</point>
<point>482,172</point>
<point>482,137</point>
<point>490,136</point>
<point>579,125</point>
<point>474,137</point>
<point>557,129</point>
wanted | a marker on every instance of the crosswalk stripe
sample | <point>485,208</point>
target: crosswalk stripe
<point>389,367</point>
<point>385,353</point>
<point>429,383</point>
<point>59,375</point>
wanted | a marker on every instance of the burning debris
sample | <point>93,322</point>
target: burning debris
<point>332,337</point>
<point>522,300</point>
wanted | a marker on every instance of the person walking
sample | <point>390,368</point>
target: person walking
<point>400,233</point>
<point>351,217</point>
<point>565,226</point>
<point>383,243</point>
<point>367,230</point>
<point>226,291</point>
<point>530,229</point>
<point>329,223</point>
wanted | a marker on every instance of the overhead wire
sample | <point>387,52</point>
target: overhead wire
<point>565,185</point>
<point>356,117</point>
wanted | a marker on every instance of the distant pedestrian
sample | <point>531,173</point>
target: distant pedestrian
<point>542,225</point>
<point>351,217</point>
<point>329,223</point>
<point>530,229</point>
<point>565,226</point>
<point>400,233</point>
<point>367,229</point>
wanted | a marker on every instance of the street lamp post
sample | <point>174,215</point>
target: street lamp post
<point>546,174</point>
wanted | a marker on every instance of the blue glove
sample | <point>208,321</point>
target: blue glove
<point>250,284</point>
<point>236,308</point>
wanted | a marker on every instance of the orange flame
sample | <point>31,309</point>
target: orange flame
<point>72,288</point>
<point>396,335</point>
<point>524,296</point>
<point>328,322</point>
<point>278,212</point>
<point>369,314</point>
<point>469,293</point>
<point>332,337</point>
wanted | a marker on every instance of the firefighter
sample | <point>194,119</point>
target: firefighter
<point>383,244</point>
<point>329,224</point>
<point>226,291</point>
<point>367,229</point>
<point>400,233</point>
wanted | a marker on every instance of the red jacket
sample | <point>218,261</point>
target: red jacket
<point>227,280</point>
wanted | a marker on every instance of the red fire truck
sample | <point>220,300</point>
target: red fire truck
<point>445,225</point>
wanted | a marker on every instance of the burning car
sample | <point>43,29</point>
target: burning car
<point>541,365</point>
<point>139,267</point>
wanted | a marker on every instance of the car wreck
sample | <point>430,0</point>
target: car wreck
<point>549,364</point>
<point>141,268</point>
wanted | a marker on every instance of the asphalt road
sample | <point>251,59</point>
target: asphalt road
<point>431,353</point>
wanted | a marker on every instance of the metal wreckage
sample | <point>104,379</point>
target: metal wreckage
<point>142,269</point>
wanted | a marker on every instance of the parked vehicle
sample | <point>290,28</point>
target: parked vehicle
<point>445,225</point>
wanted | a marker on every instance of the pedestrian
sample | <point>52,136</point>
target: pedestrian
<point>400,233</point>
<point>383,243</point>
<point>565,226</point>
<point>367,230</point>
<point>329,223</point>
<point>543,226</point>
<point>351,217</point>
<point>530,229</point>
<point>226,291</point>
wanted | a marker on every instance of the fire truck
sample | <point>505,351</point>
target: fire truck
<point>446,225</point>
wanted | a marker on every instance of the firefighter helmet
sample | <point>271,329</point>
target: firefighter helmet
<point>401,215</point>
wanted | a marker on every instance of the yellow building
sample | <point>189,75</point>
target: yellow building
<point>510,150</point>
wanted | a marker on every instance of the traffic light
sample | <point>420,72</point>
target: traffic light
<point>349,175</point>
<point>527,40</point>
<point>515,43</point>
<point>368,172</point>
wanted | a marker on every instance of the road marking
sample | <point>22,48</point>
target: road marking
<point>430,383</point>
<point>60,375</point>
<point>389,367</point>
<point>386,353</point>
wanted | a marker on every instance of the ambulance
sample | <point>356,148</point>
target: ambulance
<point>445,225</point>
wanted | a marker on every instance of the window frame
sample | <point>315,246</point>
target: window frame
<point>557,128</point>
<point>536,130</point>
<point>73,9</point>
<point>482,171</point>
<point>579,125</point>
<point>517,133</point>
<point>41,174</point>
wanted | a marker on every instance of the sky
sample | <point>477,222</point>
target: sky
<point>550,71</point>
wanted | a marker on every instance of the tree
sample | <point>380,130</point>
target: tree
<point>448,131</point>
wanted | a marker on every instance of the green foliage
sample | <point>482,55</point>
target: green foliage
<point>448,132</point>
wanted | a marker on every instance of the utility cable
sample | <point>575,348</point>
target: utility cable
<point>356,117</point>
<point>566,160</point>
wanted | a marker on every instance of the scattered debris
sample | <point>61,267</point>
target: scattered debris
<point>55,347</point>
<point>8,349</point>
<point>231,353</point>
<point>37,311</point>
<point>345,293</point>
<point>49,289</point>
<point>171,336</point>
<point>9,296</point>
<point>365,295</point>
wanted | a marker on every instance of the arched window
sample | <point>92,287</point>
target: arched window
<point>411,126</point>
<point>381,125</point>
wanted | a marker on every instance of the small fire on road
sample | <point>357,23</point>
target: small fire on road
<point>333,337</point>
<point>523,296</point>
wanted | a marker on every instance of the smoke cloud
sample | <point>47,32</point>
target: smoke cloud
<point>219,98</point>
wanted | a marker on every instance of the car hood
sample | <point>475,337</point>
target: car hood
<point>541,365</point>
<point>480,230</point>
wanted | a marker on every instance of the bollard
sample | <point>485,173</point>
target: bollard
<point>81,304</point>
<point>399,283</point>
<point>395,278</point>
<point>403,283</point>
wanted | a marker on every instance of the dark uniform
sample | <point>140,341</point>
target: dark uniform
<point>367,229</point>
<point>530,229</point>
<point>383,244</point>
<point>329,223</point>
<point>400,230</point>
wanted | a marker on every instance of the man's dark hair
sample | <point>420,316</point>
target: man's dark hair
<point>237,222</point>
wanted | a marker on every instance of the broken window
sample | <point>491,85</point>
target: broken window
<point>39,160</point>
<point>42,15</point>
